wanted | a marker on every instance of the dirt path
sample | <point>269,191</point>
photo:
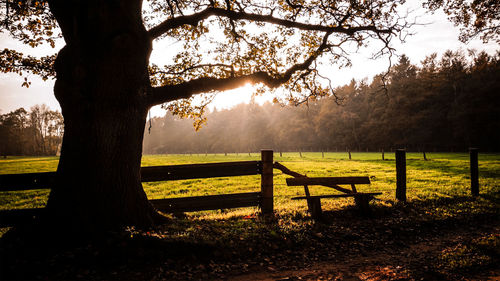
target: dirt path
<point>327,271</point>
<point>415,262</point>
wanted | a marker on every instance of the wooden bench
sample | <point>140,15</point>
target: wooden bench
<point>314,202</point>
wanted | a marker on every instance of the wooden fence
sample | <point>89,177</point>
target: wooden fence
<point>401,172</point>
<point>262,198</point>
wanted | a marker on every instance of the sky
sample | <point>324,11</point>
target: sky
<point>437,35</point>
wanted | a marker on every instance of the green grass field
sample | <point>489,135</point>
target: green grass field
<point>440,210</point>
<point>444,175</point>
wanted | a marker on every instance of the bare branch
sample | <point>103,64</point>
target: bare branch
<point>198,66</point>
<point>195,18</point>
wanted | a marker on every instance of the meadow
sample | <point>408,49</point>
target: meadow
<point>441,233</point>
<point>443,175</point>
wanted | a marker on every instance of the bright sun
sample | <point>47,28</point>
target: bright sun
<point>233,97</point>
<point>225,100</point>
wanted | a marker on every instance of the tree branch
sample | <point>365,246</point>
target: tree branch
<point>210,66</point>
<point>158,95</point>
<point>167,93</point>
<point>195,18</point>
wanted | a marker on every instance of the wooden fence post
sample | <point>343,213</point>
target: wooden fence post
<point>267,182</point>
<point>401,175</point>
<point>474,172</point>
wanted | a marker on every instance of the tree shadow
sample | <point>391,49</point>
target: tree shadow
<point>33,252</point>
<point>420,210</point>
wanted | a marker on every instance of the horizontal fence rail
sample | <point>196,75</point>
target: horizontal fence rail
<point>13,182</point>
<point>168,205</point>
<point>198,171</point>
<point>210,202</point>
<point>19,216</point>
<point>29,181</point>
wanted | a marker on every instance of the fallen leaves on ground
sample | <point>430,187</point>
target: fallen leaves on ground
<point>405,242</point>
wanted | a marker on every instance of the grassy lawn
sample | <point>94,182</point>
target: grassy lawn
<point>441,234</point>
<point>444,175</point>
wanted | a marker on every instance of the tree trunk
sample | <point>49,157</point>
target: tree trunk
<point>102,79</point>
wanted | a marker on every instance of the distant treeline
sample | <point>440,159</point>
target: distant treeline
<point>38,132</point>
<point>446,104</point>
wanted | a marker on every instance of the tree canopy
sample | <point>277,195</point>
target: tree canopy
<point>477,18</point>
<point>226,44</point>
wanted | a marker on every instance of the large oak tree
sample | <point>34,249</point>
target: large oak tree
<point>105,83</point>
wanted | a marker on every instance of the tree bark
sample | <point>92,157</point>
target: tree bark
<point>102,79</point>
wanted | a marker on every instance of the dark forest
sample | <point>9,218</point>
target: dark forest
<point>444,104</point>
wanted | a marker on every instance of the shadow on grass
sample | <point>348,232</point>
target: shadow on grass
<point>440,212</point>
<point>206,248</point>
<point>33,253</point>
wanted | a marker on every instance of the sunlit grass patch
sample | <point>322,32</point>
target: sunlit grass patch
<point>25,164</point>
<point>443,176</point>
<point>465,256</point>
<point>23,199</point>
